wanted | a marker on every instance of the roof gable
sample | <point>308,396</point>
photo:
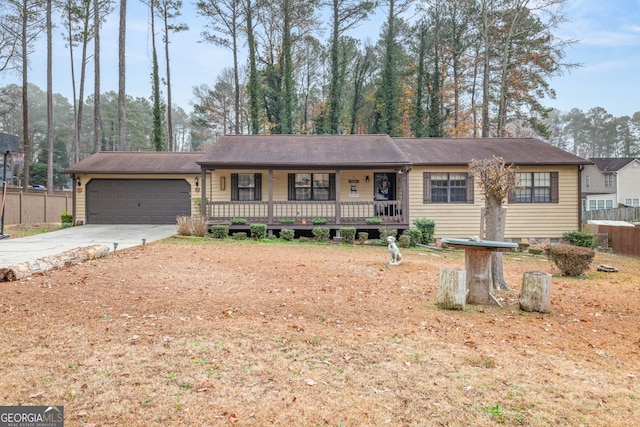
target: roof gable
<point>310,151</point>
<point>611,164</point>
<point>138,162</point>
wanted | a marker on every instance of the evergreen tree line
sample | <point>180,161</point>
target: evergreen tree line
<point>459,68</point>
<point>595,133</point>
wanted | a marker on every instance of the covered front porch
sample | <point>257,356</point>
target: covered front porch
<point>354,198</point>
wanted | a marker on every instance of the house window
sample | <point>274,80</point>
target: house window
<point>608,180</point>
<point>246,186</point>
<point>592,205</point>
<point>312,186</point>
<point>608,204</point>
<point>587,181</point>
<point>536,187</point>
<point>447,187</point>
<point>632,202</point>
<point>600,205</point>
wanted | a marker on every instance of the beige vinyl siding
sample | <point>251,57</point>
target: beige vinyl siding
<point>461,220</point>
<point>81,197</point>
<point>524,220</point>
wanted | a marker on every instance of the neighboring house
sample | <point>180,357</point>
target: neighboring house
<point>610,183</point>
<point>361,181</point>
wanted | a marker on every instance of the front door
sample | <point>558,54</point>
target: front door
<point>385,186</point>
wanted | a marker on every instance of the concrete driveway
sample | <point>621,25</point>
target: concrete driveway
<point>25,249</point>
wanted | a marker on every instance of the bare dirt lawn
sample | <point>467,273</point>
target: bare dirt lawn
<point>185,332</point>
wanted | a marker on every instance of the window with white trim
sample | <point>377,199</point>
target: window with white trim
<point>608,180</point>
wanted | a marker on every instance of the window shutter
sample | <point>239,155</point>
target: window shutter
<point>235,194</point>
<point>470,189</point>
<point>257,180</point>
<point>426,187</point>
<point>292,186</point>
<point>555,197</point>
<point>332,186</point>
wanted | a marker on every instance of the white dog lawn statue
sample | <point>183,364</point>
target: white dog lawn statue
<point>394,251</point>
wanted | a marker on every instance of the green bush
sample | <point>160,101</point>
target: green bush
<point>258,231</point>
<point>238,221</point>
<point>321,234</point>
<point>404,241</point>
<point>372,220</point>
<point>348,235</point>
<point>363,236</point>
<point>535,251</point>
<point>386,232</point>
<point>239,235</point>
<point>66,218</point>
<point>427,227</point>
<point>287,234</point>
<point>319,221</point>
<point>571,260</point>
<point>220,231</point>
<point>579,238</point>
<point>415,235</point>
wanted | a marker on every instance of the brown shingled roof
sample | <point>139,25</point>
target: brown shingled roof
<point>139,162</point>
<point>309,151</point>
<point>611,164</point>
<point>460,151</point>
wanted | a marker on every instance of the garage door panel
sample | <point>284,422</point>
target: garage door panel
<point>131,201</point>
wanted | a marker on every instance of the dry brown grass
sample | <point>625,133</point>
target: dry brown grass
<point>247,333</point>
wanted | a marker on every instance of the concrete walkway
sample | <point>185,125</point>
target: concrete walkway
<point>25,249</point>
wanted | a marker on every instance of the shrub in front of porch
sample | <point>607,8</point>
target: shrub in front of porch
<point>386,232</point>
<point>321,234</point>
<point>428,229</point>
<point>238,221</point>
<point>348,235</point>
<point>258,231</point>
<point>287,234</point>
<point>415,236</point>
<point>220,231</point>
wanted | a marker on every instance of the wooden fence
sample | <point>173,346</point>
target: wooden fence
<point>623,240</point>
<point>36,207</point>
<point>618,214</point>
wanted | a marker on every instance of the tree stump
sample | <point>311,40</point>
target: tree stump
<point>536,291</point>
<point>477,262</point>
<point>452,293</point>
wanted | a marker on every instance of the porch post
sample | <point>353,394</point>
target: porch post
<point>338,210</point>
<point>405,194</point>
<point>270,203</point>
<point>203,193</point>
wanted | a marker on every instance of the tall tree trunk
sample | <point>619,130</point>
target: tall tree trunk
<point>25,98</point>
<point>83,68</point>
<point>97,114</point>
<point>170,144</point>
<point>122,125</point>
<point>254,84</point>
<point>49,103</point>
<point>486,75</point>
<point>76,132</point>
<point>495,231</point>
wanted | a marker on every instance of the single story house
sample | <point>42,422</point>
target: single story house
<point>361,181</point>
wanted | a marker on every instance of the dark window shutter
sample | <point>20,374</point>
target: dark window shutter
<point>292,186</point>
<point>257,180</point>
<point>470,189</point>
<point>555,198</point>
<point>235,194</point>
<point>426,187</point>
<point>332,186</point>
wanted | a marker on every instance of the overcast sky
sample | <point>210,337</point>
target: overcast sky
<point>608,49</point>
